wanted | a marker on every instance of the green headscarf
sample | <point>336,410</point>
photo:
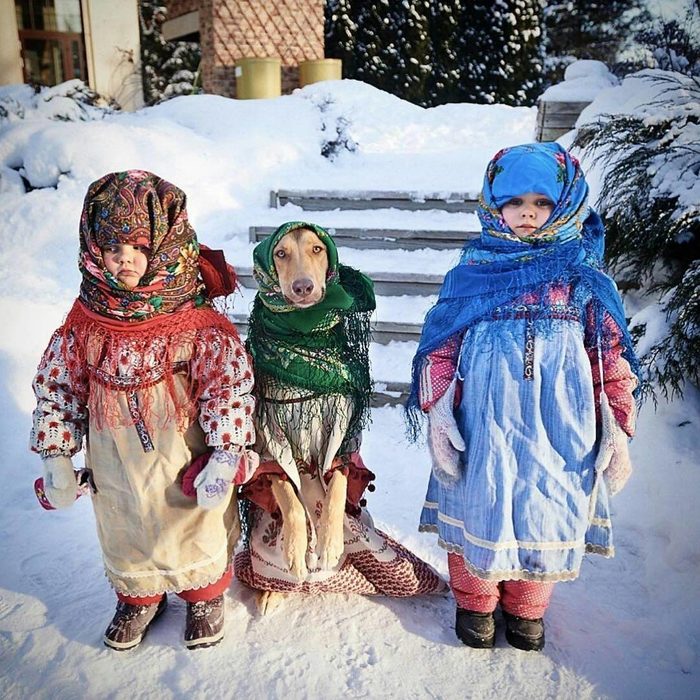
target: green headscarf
<point>322,349</point>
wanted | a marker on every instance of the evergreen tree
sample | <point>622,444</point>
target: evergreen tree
<point>590,29</point>
<point>444,82</point>
<point>383,43</point>
<point>340,30</point>
<point>500,52</point>
<point>168,68</point>
<point>674,45</point>
<point>436,51</point>
<point>652,218</point>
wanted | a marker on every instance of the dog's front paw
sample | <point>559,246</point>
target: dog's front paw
<point>269,601</point>
<point>330,545</point>
<point>294,549</point>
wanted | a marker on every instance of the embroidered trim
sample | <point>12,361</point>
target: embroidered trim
<point>529,351</point>
<point>145,376</point>
<point>607,552</point>
<point>504,575</point>
<point>132,402</point>
<point>531,312</point>
<point>167,572</point>
<point>517,574</point>
<point>498,546</point>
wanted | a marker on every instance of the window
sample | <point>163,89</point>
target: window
<point>51,34</point>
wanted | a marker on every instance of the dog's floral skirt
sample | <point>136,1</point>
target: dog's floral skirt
<point>371,563</point>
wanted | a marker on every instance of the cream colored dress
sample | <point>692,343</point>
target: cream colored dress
<point>154,538</point>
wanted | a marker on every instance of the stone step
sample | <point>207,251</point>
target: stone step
<point>387,283</point>
<point>382,238</point>
<point>382,331</point>
<point>324,200</point>
<point>390,393</point>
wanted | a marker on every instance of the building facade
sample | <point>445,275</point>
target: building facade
<point>47,42</point>
<point>229,30</point>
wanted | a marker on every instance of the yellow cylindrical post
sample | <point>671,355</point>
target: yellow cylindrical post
<point>320,69</point>
<point>258,78</point>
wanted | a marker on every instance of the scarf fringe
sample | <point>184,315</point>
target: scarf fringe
<point>151,349</point>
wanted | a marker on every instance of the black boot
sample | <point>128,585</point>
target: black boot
<point>527,635</point>
<point>475,629</point>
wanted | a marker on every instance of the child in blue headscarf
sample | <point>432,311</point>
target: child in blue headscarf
<point>526,371</point>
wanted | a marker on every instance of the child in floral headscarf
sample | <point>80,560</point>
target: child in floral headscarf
<point>526,371</point>
<point>155,379</point>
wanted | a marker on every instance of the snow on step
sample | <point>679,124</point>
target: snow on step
<point>383,238</point>
<point>321,200</point>
<point>390,283</point>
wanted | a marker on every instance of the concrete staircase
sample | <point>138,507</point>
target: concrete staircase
<point>388,283</point>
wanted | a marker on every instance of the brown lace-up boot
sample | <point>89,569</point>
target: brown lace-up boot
<point>131,622</point>
<point>205,623</point>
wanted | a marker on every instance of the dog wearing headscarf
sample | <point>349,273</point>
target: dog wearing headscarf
<point>309,333</point>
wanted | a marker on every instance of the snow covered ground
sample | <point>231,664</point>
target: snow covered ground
<point>627,628</point>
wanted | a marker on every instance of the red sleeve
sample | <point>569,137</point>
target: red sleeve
<point>618,377</point>
<point>438,371</point>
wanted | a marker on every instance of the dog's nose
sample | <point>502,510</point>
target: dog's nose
<point>303,287</point>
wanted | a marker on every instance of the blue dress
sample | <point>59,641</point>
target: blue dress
<point>528,504</point>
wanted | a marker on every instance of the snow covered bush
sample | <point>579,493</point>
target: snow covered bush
<point>169,68</point>
<point>69,101</point>
<point>650,198</point>
<point>576,29</point>
<point>675,45</point>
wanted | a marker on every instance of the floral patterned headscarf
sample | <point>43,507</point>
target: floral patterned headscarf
<point>542,168</point>
<point>138,208</point>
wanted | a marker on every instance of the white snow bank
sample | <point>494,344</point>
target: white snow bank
<point>583,80</point>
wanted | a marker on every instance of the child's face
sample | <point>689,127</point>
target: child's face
<point>527,213</point>
<point>126,262</point>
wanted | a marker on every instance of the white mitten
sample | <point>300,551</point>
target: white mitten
<point>215,480</point>
<point>444,439</point>
<point>613,460</point>
<point>59,481</point>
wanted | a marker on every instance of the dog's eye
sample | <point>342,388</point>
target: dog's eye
<point>318,249</point>
<point>280,254</point>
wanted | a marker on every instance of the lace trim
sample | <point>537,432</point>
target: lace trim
<point>516,574</point>
<point>111,575</point>
<point>498,546</point>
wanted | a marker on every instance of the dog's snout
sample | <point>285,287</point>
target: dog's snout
<point>303,287</point>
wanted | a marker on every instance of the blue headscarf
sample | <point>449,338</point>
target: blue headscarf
<point>499,267</point>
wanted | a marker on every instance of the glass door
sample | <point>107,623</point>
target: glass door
<point>51,34</point>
